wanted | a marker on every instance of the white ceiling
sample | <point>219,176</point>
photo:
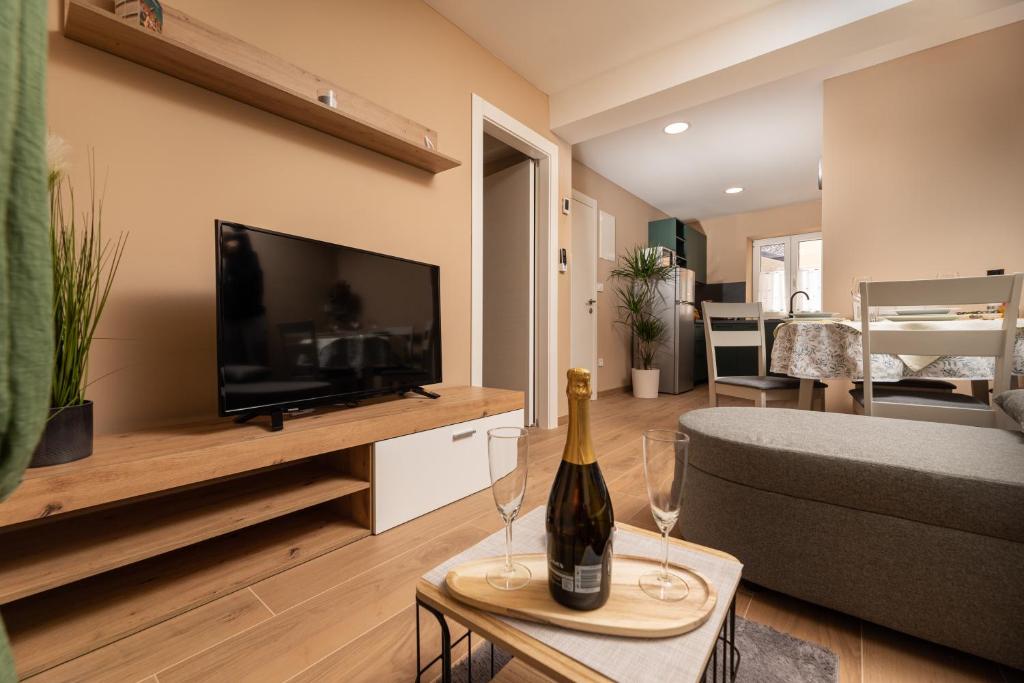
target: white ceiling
<point>746,74</point>
<point>555,44</point>
<point>766,140</point>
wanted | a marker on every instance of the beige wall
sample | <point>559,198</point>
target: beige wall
<point>176,157</point>
<point>924,167</point>
<point>631,217</point>
<point>730,237</point>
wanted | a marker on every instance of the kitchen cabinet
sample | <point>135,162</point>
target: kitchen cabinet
<point>689,244</point>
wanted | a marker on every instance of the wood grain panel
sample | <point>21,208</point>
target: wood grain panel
<point>86,545</point>
<point>136,656</point>
<point>214,60</point>
<point>299,637</point>
<point>139,463</point>
<point>58,625</point>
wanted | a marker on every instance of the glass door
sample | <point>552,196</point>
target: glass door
<point>785,265</point>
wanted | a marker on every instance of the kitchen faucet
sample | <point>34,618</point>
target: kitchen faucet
<point>792,296</point>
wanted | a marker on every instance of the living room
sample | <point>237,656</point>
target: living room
<point>223,458</point>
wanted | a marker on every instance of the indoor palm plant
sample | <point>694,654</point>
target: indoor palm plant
<point>639,272</point>
<point>84,266</point>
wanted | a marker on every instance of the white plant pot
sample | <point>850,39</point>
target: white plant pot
<point>645,383</point>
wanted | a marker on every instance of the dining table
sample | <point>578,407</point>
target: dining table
<point>813,349</point>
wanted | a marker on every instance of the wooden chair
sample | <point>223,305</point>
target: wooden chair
<point>997,343</point>
<point>761,388</point>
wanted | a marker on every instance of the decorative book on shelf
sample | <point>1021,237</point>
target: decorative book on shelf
<point>210,58</point>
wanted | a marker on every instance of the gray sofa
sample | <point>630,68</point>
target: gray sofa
<point>917,526</point>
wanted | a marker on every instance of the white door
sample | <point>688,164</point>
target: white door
<point>583,286</point>
<point>508,274</point>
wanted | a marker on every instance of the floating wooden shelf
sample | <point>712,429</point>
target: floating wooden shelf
<point>208,57</point>
<point>85,545</point>
<point>53,627</point>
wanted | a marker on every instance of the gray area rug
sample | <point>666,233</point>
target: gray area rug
<point>767,656</point>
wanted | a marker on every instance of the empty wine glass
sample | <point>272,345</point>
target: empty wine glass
<point>507,452</point>
<point>665,452</point>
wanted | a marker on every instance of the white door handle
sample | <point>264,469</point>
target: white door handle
<point>464,434</point>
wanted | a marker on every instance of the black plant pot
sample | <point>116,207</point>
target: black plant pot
<point>67,437</point>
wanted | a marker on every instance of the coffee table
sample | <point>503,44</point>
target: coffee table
<point>706,653</point>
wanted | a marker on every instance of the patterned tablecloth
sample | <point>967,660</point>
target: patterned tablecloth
<point>825,349</point>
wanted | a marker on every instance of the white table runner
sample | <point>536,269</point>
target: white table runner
<point>679,658</point>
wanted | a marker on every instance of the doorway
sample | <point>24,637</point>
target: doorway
<point>583,287</point>
<point>542,405</point>
<point>509,308</point>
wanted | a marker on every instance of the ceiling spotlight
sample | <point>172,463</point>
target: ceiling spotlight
<point>676,128</point>
<point>733,190</point>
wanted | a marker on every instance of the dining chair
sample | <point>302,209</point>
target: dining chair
<point>882,401</point>
<point>761,388</point>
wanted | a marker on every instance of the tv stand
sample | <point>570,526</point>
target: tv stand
<point>276,418</point>
<point>423,392</point>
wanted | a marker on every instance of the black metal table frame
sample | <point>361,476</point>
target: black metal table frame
<point>726,641</point>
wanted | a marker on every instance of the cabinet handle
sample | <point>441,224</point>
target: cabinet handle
<point>464,434</point>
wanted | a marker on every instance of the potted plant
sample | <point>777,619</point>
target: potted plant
<point>84,266</point>
<point>639,272</point>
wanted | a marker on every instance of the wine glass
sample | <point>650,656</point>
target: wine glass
<point>665,452</point>
<point>507,451</point>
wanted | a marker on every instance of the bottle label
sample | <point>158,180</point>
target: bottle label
<point>586,578</point>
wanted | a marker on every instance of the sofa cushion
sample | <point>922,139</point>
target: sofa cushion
<point>1012,403</point>
<point>765,382</point>
<point>953,476</point>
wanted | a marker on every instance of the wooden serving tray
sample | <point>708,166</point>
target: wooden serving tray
<point>628,612</point>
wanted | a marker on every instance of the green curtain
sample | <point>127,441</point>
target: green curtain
<point>26,279</point>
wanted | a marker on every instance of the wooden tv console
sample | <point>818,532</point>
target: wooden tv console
<point>158,522</point>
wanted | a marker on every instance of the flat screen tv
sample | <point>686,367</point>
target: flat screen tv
<point>302,322</point>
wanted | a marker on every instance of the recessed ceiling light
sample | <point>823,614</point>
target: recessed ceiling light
<point>676,128</point>
<point>733,190</point>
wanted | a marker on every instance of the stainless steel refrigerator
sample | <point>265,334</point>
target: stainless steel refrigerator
<point>676,307</point>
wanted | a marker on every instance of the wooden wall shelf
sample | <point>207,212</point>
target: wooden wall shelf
<point>206,56</point>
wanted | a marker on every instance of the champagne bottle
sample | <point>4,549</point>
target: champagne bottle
<point>579,516</point>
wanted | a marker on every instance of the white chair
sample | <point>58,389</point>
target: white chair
<point>761,388</point>
<point>997,343</point>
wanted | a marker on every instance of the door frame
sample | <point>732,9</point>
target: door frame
<point>487,118</point>
<point>592,203</point>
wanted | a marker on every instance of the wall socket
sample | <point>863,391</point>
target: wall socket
<point>600,362</point>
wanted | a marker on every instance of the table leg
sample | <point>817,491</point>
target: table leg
<point>446,645</point>
<point>806,394</point>
<point>979,389</point>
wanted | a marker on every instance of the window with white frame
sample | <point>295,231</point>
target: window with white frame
<point>784,265</point>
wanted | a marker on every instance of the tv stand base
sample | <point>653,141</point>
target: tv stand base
<point>276,418</point>
<point>423,392</point>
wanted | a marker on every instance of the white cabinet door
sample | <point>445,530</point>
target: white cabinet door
<point>417,473</point>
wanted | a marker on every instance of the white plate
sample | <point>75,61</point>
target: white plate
<point>911,318</point>
<point>924,311</point>
<point>814,314</point>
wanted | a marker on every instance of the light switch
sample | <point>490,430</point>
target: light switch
<point>600,286</point>
<point>600,362</point>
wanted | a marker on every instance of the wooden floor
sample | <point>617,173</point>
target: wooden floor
<point>349,615</point>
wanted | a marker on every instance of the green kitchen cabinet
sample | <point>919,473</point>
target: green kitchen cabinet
<point>696,253</point>
<point>689,244</point>
<point>665,233</point>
